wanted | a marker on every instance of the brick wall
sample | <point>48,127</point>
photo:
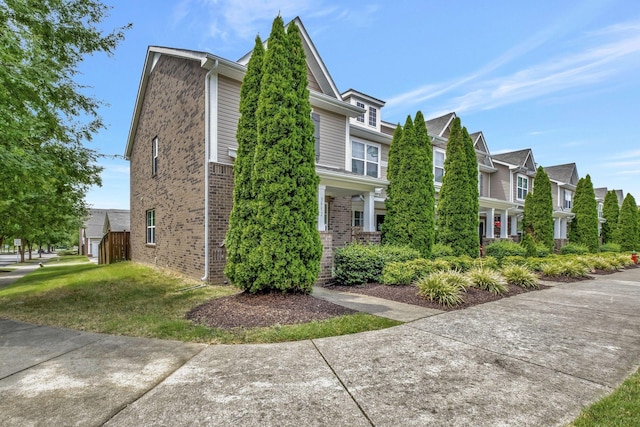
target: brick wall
<point>220,204</point>
<point>360,236</point>
<point>326,265</point>
<point>173,110</point>
<point>340,220</point>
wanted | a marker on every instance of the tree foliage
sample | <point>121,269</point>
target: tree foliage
<point>584,226</point>
<point>457,218</point>
<point>283,247</point>
<point>242,233</point>
<point>627,233</point>
<point>538,210</point>
<point>46,169</point>
<point>410,196</point>
<point>610,212</point>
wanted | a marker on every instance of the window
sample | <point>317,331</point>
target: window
<point>358,219</point>
<point>316,133</point>
<point>360,118</point>
<point>365,159</point>
<point>567,202</point>
<point>600,206</point>
<point>154,156</point>
<point>151,227</point>
<point>326,216</point>
<point>523,187</point>
<point>438,165</point>
<point>373,116</point>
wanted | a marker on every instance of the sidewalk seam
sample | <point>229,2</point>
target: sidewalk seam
<point>152,387</point>
<point>344,386</point>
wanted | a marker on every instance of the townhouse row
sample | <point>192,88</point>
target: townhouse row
<point>182,145</point>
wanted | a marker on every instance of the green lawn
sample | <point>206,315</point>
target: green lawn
<point>131,299</point>
<point>620,408</point>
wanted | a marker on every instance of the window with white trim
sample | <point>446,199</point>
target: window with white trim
<point>523,187</point>
<point>358,219</point>
<point>373,116</point>
<point>600,208</point>
<point>154,156</point>
<point>151,227</point>
<point>360,118</point>
<point>365,159</point>
<point>438,165</point>
<point>567,202</point>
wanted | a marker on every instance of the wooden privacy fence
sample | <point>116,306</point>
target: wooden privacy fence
<point>114,247</point>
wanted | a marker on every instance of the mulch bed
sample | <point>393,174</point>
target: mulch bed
<point>252,311</point>
<point>244,310</point>
<point>409,295</point>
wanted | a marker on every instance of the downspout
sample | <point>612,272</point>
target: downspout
<point>207,139</point>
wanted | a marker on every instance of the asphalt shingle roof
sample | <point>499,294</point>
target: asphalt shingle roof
<point>561,173</point>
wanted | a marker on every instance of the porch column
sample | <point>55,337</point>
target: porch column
<point>556,228</point>
<point>490,223</point>
<point>563,228</point>
<point>321,195</point>
<point>503,224</point>
<point>369,212</point>
<point>514,225</point>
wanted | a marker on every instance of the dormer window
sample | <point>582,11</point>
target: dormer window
<point>373,117</point>
<point>360,118</point>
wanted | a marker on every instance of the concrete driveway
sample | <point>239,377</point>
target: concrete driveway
<point>530,360</point>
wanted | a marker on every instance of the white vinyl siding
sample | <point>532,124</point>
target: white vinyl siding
<point>228,115</point>
<point>332,139</point>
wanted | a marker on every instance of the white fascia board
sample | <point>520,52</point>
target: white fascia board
<point>369,135</point>
<point>350,181</point>
<point>332,104</point>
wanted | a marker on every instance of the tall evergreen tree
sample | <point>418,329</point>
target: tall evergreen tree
<point>474,193</point>
<point>584,226</point>
<point>454,226</point>
<point>242,234</point>
<point>287,256</point>
<point>538,210</point>
<point>610,212</point>
<point>409,219</point>
<point>627,233</point>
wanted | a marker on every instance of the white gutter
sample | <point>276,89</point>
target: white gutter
<point>207,138</point>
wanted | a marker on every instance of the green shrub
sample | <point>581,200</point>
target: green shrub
<point>550,269</point>
<point>529,245</point>
<point>406,272</point>
<point>514,259</point>
<point>443,287</point>
<point>438,250</point>
<point>610,247</point>
<point>504,248</point>
<point>520,275</point>
<point>602,263</point>
<point>573,268</point>
<point>535,263</point>
<point>542,251</point>
<point>440,264</point>
<point>487,279</point>
<point>486,262</point>
<point>357,264</point>
<point>460,263</point>
<point>575,249</point>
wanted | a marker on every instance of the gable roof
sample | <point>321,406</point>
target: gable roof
<point>439,125</point>
<point>565,174</point>
<point>600,192</point>
<point>521,158</point>
<point>116,220</point>
<point>94,223</point>
<point>314,61</point>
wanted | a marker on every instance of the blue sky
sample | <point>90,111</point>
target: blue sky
<point>561,77</point>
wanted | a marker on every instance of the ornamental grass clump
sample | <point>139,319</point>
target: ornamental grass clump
<point>487,262</point>
<point>443,287</point>
<point>406,272</point>
<point>550,269</point>
<point>488,280</point>
<point>520,275</point>
<point>573,268</point>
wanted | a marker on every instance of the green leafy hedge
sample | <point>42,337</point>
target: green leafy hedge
<point>357,264</point>
<point>574,248</point>
<point>505,248</point>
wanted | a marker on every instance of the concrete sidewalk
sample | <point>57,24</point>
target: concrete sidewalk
<point>534,359</point>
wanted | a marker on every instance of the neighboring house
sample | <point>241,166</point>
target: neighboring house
<point>512,181</point>
<point>600,194</point>
<point>98,222</point>
<point>564,179</point>
<point>91,233</point>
